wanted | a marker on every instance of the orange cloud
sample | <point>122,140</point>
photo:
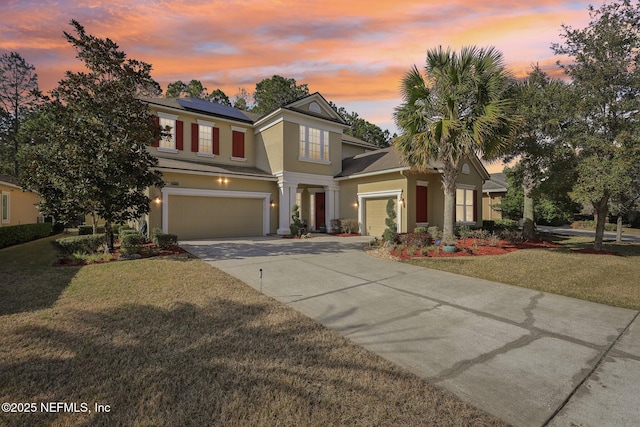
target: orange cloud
<point>354,53</point>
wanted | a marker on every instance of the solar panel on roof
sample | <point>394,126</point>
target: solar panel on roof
<point>213,108</point>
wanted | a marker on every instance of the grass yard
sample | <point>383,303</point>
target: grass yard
<point>173,342</point>
<point>613,280</point>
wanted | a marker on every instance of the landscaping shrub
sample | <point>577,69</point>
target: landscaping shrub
<point>488,225</point>
<point>416,239</point>
<point>464,231</point>
<point>349,225</point>
<point>16,234</point>
<point>505,224</point>
<point>126,232</point>
<point>391,236</point>
<point>85,244</point>
<point>164,241</point>
<point>420,230</point>
<point>296,227</point>
<point>131,243</point>
<point>435,232</point>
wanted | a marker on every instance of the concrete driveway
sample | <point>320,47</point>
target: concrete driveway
<point>528,357</point>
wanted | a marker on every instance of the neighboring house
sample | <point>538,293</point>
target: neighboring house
<point>17,206</point>
<point>492,192</point>
<point>231,173</point>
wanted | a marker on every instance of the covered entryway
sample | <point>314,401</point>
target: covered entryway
<point>205,214</point>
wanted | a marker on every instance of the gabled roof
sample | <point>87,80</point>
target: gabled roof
<point>352,140</point>
<point>7,179</point>
<point>295,107</point>
<point>497,183</point>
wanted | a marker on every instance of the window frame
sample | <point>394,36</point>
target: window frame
<point>209,128</point>
<point>243,131</point>
<point>467,204</point>
<point>5,207</point>
<point>305,145</point>
<point>168,144</point>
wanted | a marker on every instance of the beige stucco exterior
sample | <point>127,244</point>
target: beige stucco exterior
<point>21,207</point>
<point>255,196</point>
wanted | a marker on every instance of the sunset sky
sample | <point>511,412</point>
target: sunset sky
<point>353,52</point>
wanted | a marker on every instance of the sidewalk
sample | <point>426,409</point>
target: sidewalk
<point>528,357</point>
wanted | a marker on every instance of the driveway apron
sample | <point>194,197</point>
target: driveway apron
<point>528,357</point>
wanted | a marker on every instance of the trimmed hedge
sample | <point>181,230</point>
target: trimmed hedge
<point>16,234</point>
<point>83,230</point>
<point>86,244</point>
<point>416,239</point>
<point>131,243</point>
<point>165,241</point>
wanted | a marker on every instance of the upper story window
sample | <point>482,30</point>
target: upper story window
<point>172,140</point>
<point>314,144</point>
<point>205,138</point>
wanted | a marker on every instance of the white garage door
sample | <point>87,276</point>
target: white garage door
<point>195,217</point>
<point>375,215</point>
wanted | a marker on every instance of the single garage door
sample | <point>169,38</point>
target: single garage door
<point>196,217</point>
<point>375,215</point>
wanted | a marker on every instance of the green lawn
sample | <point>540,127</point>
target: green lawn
<point>172,341</point>
<point>613,280</point>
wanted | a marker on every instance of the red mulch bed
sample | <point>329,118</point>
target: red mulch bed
<point>150,250</point>
<point>466,248</point>
<point>347,234</point>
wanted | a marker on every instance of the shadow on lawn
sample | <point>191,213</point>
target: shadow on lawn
<point>227,363</point>
<point>28,282</point>
<point>626,249</point>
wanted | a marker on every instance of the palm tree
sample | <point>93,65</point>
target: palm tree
<point>458,109</point>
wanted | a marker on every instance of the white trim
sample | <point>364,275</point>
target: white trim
<point>168,150</point>
<point>306,178</point>
<point>172,191</point>
<point>268,125</point>
<point>203,154</point>
<point>310,160</point>
<point>167,116</point>
<point>223,174</point>
<point>238,159</point>
<point>301,119</point>
<point>362,214</point>
<point>205,123</point>
<point>465,187</point>
<point>8,184</point>
<point>422,183</point>
<point>8,207</point>
<point>363,175</point>
<point>239,129</point>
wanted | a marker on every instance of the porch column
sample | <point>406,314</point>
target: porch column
<point>331,203</point>
<point>287,200</point>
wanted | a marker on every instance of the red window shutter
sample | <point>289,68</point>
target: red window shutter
<point>194,137</point>
<point>156,122</point>
<point>216,141</point>
<point>179,135</point>
<point>475,205</point>
<point>421,204</point>
<point>238,145</point>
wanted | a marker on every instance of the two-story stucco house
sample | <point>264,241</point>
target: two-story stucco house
<point>230,173</point>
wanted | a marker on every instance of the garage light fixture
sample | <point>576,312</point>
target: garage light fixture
<point>222,180</point>
<point>272,203</point>
<point>157,200</point>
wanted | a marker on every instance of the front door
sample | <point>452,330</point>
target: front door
<point>320,216</point>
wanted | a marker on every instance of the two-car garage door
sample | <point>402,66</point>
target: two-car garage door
<point>196,217</point>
